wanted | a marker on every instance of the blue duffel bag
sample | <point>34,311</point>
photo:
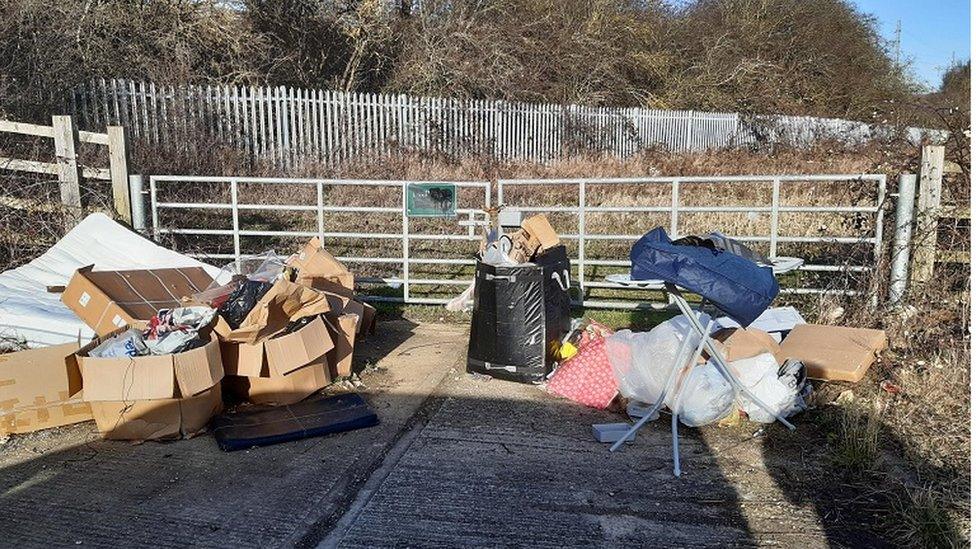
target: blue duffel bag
<point>737,286</point>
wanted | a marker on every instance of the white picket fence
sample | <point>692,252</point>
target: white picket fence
<point>288,125</point>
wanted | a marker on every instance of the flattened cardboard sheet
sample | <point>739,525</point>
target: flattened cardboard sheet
<point>834,353</point>
<point>35,390</point>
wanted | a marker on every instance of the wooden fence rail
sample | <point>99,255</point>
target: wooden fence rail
<point>289,125</point>
<point>66,138</point>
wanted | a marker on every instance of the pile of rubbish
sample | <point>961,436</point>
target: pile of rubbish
<point>771,354</point>
<point>174,345</point>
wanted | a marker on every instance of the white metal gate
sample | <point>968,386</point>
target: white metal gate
<point>580,202</point>
<point>429,260</point>
<point>252,214</point>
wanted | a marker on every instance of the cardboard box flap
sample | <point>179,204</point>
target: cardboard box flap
<point>289,352</point>
<point>284,302</point>
<point>42,373</point>
<point>108,300</point>
<point>739,343</point>
<point>315,265</point>
<point>198,369</point>
<point>539,229</point>
<point>342,328</point>
<point>243,359</point>
<point>141,378</point>
<point>834,352</point>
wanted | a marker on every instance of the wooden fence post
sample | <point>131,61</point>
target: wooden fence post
<point>929,205</point>
<point>65,145</point>
<point>118,157</point>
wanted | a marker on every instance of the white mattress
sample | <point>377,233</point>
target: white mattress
<point>29,313</point>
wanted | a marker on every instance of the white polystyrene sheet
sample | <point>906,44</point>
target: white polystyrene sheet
<point>31,314</point>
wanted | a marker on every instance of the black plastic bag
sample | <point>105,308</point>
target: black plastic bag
<point>520,315</point>
<point>240,302</point>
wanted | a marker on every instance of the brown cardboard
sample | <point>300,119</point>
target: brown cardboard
<point>284,302</point>
<point>342,328</point>
<point>157,419</point>
<point>739,343</point>
<point>541,231</point>
<point>282,390</point>
<point>318,269</point>
<point>108,300</point>
<point>834,353</point>
<point>289,352</point>
<point>148,377</point>
<point>278,355</point>
<point>367,324</point>
<point>35,389</point>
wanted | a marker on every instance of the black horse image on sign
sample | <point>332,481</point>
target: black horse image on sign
<point>431,200</point>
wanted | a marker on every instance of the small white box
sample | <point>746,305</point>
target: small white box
<point>611,432</point>
<point>510,218</point>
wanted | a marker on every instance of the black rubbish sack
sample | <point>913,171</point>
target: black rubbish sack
<point>240,302</point>
<point>520,316</point>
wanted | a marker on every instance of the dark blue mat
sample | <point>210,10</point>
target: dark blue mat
<point>310,418</point>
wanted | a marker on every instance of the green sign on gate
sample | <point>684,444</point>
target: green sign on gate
<point>431,200</point>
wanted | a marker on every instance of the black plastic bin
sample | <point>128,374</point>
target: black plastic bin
<point>520,315</point>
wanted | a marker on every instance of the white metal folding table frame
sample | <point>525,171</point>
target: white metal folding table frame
<point>682,361</point>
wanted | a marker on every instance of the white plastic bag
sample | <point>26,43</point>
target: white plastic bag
<point>706,396</point>
<point>760,374</point>
<point>642,361</point>
<point>126,344</point>
<point>463,301</point>
<point>496,253</point>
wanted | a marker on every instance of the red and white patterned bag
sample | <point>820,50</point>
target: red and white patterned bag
<point>587,377</point>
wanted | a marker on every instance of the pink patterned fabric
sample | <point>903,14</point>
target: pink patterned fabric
<point>587,378</point>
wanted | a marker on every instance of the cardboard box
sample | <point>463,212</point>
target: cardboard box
<point>342,328</point>
<point>281,390</point>
<point>739,343</point>
<point>147,377</point>
<point>834,353</point>
<point>170,418</point>
<point>284,302</point>
<point>277,356</point>
<point>536,235</point>
<point>35,390</point>
<point>318,269</point>
<point>343,304</point>
<point>109,300</point>
<point>541,231</point>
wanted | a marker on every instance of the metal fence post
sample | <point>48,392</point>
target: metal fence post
<point>904,214</point>
<point>137,203</point>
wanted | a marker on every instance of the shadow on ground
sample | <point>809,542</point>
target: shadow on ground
<point>455,461</point>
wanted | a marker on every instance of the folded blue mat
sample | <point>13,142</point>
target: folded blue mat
<point>310,418</point>
<point>737,286</point>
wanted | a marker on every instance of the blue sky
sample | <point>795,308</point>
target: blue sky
<point>930,32</point>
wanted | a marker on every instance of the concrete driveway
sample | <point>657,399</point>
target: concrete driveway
<point>455,461</point>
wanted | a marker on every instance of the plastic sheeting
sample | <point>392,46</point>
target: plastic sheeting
<point>31,314</point>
